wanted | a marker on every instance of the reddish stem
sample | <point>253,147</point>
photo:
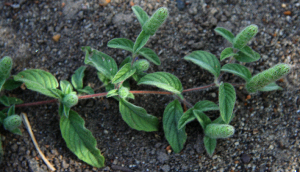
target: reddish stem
<point>199,88</point>
<point>151,92</point>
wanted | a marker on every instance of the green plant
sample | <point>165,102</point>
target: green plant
<point>115,80</point>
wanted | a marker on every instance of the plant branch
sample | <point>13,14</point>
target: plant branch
<point>199,88</point>
<point>151,92</point>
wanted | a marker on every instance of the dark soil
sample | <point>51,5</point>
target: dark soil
<point>267,125</point>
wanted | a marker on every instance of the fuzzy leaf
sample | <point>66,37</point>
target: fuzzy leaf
<point>163,80</point>
<point>66,87</point>
<point>11,84</point>
<point>5,68</point>
<point>245,36</point>
<point>227,52</point>
<point>155,21</point>
<point>176,137</point>
<point>112,93</point>
<point>203,119</point>
<point>227,97</point>
<point>271,87</point>
<point>121,43</point>
<point>150,55</point>
<point>125,72</point>
<point>80,140</point>
<point>141,15</point>
<point>205,60</point>
<point>140,41</point>
<point>77,78</point>
<point>187,117</point>
<point>38,80</point>
<point>7,101</point>
<point>225,33</point>
<point>210,145</point>
<point>102,62</point>
<point>247,55</point>
<point>219,131</point>
<point>137,117</point>
<point>205,105</point>
<point>238,70</point>
<point>268,76</point>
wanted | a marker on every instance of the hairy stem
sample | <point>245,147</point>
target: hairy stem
<point>199,88</point>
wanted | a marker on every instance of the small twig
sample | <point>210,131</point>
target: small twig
<point>28,127</point>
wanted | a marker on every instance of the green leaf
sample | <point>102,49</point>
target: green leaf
<point>11,111</point>
<point>227,97</point>
<point>126,60</point>
<point>150,55</point>
<point>163,80</point>
<point>58,93</point>
<point>227,52</point>
<point>141,40</point>
<point>77,78</point>
<point>187,117</point>
<point>137,117</point>
<point>38,80</point>
<point>86,90</point>
<point>205,105</point>
<point>66,87</point>
<point>225,33</point>
<point>219,120</point>
<point>205,60</point>
<point>247,55</point>
<point>176,137</point>
<point>102,62</point>
<point>210,145</point>
<point>5,68</point>
<point>271,87</point>
<point>112,93</point>
<point>121,43</point>
<point>155,21</point>
<point>11,84</point>
<point>80,140</point>
<point>14,101</point>
<point>245,36</point>
<point>4,100</point>
<point>125,72</point>
<point>238,70</point>
<point>219,131</point>
<point>141,15</point>
<point>203,119</point>
<point>16,131</point>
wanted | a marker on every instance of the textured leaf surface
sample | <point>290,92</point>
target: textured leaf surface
<point>238,70</point>
<point>66,87</point>
<point>5,68</point>
<point>210,145</point>
<point>245,36</point>
<point>205,105</point>
<point>187,117</point>
<point>140,41</point>
<point>163,80</point>
<point>125,72</point>
<point>247,55</point>
<point>77,78</point>
<point>176,137</point>
<point>203,119</point>
<point>126,60</point>
<point>80,140</point>
<point>227,97</point>
<point>150,55</point>
<point>225,33</point>
<point>121,43</point>
<point>271,87</point>
<point>205,60</point>
<point>102,62</point>
<point>11,84</point>
<point>219,131</point>
<point>38,80</point>
<point>155,21</point>
<point>227,52</point>
<point>137,117</point>
<point>141,15</point>
<point>7,101</point>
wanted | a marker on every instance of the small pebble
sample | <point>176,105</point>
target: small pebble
<point>56,38</point>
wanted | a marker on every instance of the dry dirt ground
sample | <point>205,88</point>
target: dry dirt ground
<point>267,125</point>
